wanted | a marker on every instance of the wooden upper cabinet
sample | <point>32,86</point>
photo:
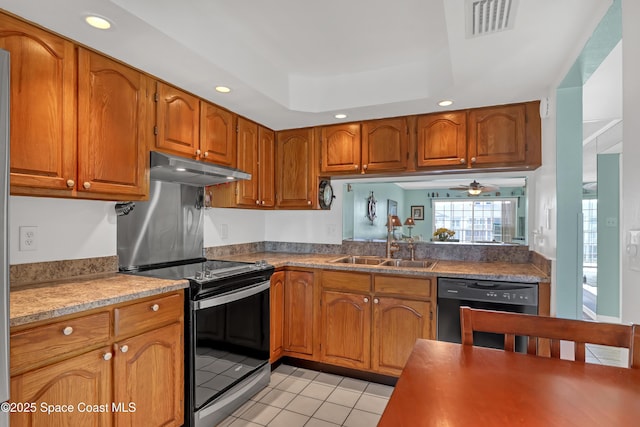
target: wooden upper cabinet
<point>113,126</point>
<point>248,162</point>
<point>442,139</point>
<point>497,135</point>
<point>43,107</point>
<point>217,135</point>
<point>340,148</point>
<point>385,145</point>
<point>266,171</point>
<point>295,171</point>
<point>178,121</point>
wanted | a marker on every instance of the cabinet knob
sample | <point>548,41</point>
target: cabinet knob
<point>107,356</point>
<point>356,166</point>
<point>68,330</point>
<point>70,183</point>
<point>257,202</point>
<point>309,202</point>
<point>366,299</point>
<point>473,160</point>
<point>462,160</point>
<point>262,202</point>
<point>86,185</point>
<point>124,348</point>
<point>376,300</point>
<point>365,167</point>
<point>198,152</point>
<point>206,153</point>
<point>155,307</point>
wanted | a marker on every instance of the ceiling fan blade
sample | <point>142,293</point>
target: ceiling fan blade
<point>489,188</point>
<point>459,188</point>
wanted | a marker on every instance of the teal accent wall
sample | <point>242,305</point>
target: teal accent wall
<point>608,301</point>
<point>362,227</point>
<point>569,162</point>
<point>569,193</point>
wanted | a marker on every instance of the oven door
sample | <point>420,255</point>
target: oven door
<point>230,340</point>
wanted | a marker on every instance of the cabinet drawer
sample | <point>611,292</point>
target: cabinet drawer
<point>148,314</point>
<point>402,286</point>
<point>58,339</point>
<point>346,281</point>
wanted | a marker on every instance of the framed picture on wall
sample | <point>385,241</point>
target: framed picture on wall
<point>417,212</point>
<point>392,207</point>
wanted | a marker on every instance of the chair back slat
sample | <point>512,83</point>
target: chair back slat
<point>545,333</point>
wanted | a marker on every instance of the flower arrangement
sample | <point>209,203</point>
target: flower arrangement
<point>443,234</point>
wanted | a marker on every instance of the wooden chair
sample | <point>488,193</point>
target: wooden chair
<point>540,330</point>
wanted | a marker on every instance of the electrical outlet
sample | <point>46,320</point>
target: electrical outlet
<point>28,238</point>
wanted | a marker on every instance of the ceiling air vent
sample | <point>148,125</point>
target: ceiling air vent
<point>489,16</point>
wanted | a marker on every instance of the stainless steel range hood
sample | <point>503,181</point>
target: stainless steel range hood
<point>165,167</point>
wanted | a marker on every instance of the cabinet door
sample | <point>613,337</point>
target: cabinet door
<point>385,145</point>
<point>497,135</point>
<point>442,139</point>
<point>248,162</point>
<point>149,372</point>
<point>113,127</point>
<point>398,323</point>
<point>277,315</point>
<point>266,172</point>
<point>298,312</point>
<point>43,102</point>
<point>294,169</point>
<point>340,145</point>
<point>217,135</point>
<point>81,382</point>
<point>346,329</point>
<point>178,119</point>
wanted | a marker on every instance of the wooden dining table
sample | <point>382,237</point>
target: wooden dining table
<point>452,385</point>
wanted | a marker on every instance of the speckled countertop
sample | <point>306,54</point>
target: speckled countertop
<point>505,271</point>
<point>53,299</point>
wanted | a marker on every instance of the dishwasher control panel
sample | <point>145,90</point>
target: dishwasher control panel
<point>489,291</point>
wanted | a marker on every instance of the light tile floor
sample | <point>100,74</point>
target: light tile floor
<point>299,397</point>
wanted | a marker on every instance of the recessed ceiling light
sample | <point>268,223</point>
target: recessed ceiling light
<point>223,89</point>
<point>340,116</point>
<point>445,103</point>
<point>98,22</point>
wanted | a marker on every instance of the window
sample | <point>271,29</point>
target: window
<point>477,221</point>
<point>590,232</point>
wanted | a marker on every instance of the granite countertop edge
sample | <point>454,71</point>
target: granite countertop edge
<point>48,301</point>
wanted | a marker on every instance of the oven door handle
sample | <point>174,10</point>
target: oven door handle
<point>232,296</point>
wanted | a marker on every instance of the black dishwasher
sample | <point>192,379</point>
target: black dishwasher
<point>486,295</point>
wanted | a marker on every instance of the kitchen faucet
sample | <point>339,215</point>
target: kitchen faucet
<point>392,244</point>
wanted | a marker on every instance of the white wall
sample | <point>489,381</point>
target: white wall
<point>630,292</point>
<point>67,229</point>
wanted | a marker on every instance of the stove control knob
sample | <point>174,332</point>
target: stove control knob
<point>208,274</point>
<point>199,275</point>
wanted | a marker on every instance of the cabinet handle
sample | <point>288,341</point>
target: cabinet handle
<point>86,185</point>
<point>473,160</point>
<point>155,307</point>
<point>124,348</point>
<point>366,299</point>
<point>70,183</point>
<point>107,356</point>
<point>376,300</point>
<point>462,160</point>
<point>68,330</point>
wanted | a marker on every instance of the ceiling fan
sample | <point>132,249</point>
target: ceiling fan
<point>475,188</point>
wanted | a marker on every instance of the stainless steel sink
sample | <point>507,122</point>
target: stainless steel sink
<point>367,260</point>
<point>409,263</point>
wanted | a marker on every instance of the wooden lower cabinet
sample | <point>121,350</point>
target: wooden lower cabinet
<point>277,316</point>
<point>397,324</point>
<point>68,393</point>
<point>298,312</point>
<point>148,376</point>
<point>346,329</point>
<point>130,378</point>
